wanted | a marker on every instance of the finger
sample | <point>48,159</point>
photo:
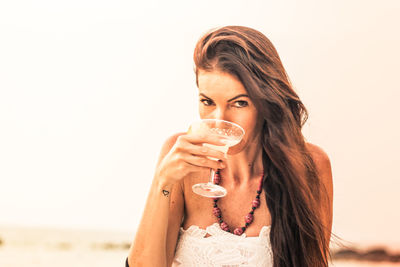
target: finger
<point>204,162</point>
<point>205,151</point>
<point>197,169</point>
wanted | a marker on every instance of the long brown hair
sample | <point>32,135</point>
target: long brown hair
<point>292,188</point>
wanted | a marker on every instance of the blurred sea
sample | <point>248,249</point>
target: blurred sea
<point>43,247</point>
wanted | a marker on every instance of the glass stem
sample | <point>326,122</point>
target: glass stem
<point>212,174</point>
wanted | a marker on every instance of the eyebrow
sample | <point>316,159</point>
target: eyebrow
<point>241,95</point>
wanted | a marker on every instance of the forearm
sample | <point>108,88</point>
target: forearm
<point>149,246</point>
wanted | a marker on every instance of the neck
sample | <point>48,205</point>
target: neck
<point>245,166</point>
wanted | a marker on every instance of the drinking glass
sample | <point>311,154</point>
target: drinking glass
<point>228,133</point>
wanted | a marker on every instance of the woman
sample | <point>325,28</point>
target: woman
<point>241,79</point>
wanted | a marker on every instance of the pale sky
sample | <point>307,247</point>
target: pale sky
<point>89,91</point>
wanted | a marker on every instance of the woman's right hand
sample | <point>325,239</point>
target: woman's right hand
<point>188,155</point>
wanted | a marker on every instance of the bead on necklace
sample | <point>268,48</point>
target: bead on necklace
<point>248,218</point>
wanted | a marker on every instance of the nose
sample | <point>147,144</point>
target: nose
<point>220,114</point>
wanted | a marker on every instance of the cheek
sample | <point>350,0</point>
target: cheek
<point>249,128</point>
<point>202,112</point>
<point>248,123</point>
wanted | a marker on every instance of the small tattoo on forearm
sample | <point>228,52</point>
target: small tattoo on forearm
<point>165,193</point>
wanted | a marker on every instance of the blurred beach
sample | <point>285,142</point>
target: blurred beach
<point>21,246</point>
<point>43,247</point>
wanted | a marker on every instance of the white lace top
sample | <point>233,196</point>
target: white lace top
<point>222,249</point>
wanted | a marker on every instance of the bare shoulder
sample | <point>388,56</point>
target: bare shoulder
<point>324,172</point>
<point>323,167</point>
<point>320,158</point>
<point>174,137</point>
<point>171,140</point>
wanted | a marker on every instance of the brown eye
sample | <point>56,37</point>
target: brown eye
<point>241,104</point>
<point>206,102</point>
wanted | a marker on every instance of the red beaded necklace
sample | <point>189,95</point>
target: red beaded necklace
<point>249,217</point>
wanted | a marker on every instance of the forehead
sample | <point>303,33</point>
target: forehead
<point>219,84</point>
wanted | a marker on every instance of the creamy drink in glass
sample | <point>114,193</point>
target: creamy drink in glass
<point>230,134</point>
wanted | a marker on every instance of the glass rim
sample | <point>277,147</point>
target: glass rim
<point>225,121</point>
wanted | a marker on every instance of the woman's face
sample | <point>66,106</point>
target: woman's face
<point>223,96</point>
